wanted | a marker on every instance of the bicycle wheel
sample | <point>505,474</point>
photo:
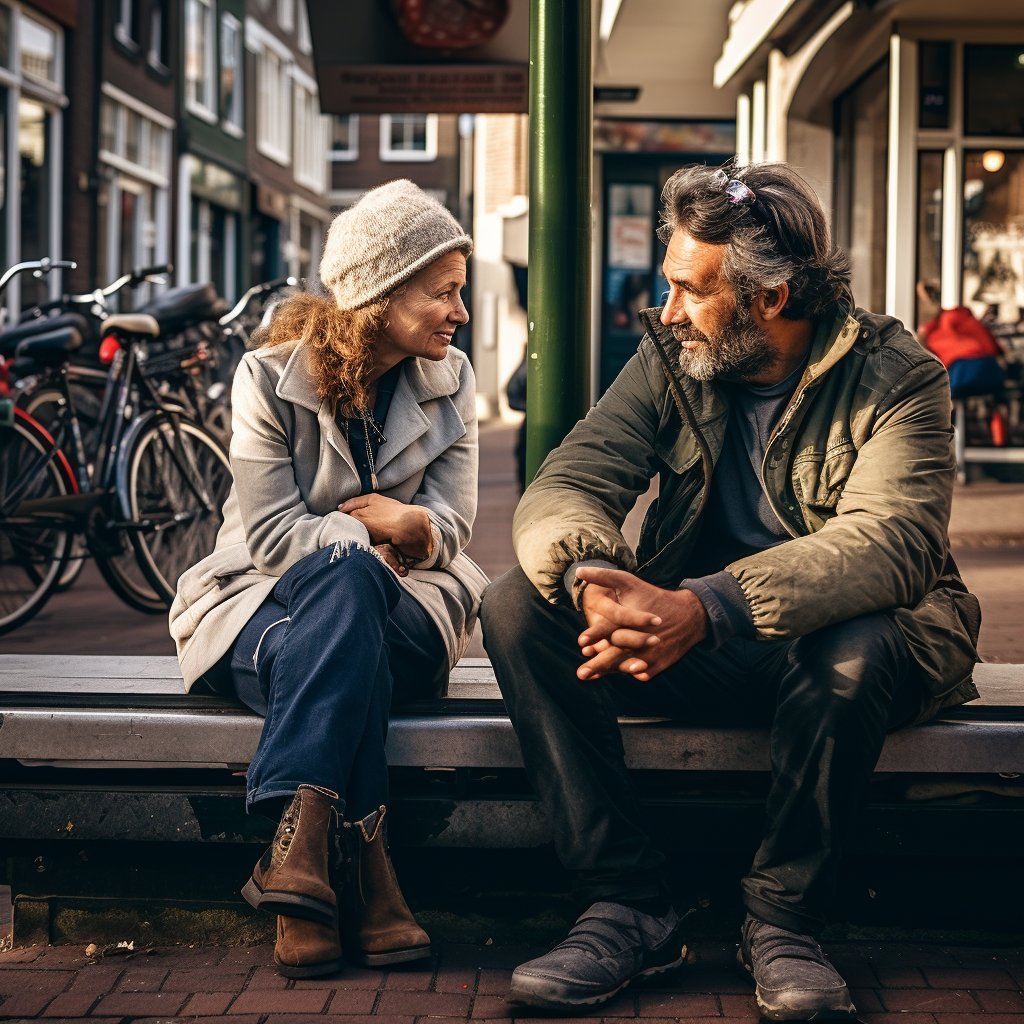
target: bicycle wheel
<point>177,481</point>
<point>125,578</point>
<point>33,554</point>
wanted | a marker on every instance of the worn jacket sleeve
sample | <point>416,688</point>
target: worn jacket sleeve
<point>449,488</point>
<point>574,509</point>
<point>279,529</point>
<point>886,545</point>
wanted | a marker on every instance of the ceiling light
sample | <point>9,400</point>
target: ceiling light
<point>992,160</point>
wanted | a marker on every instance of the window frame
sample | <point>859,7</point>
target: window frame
<point>389,155</point>
<point>208,62</point>
<point>308,135</point>
<point>233,121</point>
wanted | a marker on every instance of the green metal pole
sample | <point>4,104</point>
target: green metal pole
<point>561,134</point>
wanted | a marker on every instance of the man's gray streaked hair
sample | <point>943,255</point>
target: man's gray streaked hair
<point>779,234</point>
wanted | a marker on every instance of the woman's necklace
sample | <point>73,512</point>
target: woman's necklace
<point>369,423</point>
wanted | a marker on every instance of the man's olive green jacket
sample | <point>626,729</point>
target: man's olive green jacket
<point>860,470</point>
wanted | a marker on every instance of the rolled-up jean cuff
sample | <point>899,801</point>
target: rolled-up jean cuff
<point>782,917</point>
<point>257,801</point>
<point>587,896</point>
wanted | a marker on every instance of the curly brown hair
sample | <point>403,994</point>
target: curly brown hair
<point>340,343</point>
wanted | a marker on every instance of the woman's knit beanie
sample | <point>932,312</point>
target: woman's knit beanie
<point>392,233</point>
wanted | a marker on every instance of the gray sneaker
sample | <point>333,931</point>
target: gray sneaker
<point>794,979</point>
<point>608,947</point>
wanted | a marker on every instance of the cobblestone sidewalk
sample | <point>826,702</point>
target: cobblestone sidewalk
<point>894,984</point>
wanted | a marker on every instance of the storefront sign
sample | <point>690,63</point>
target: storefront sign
<point>271,202</point>
<point>623,135</point>
<point>451,89</point>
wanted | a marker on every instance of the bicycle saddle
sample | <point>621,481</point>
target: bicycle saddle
<point>14,336</point>
<point>180,307</point>
<point>50,349</point>
<point>130,323</point>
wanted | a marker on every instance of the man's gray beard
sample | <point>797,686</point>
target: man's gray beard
<point>738,350</point>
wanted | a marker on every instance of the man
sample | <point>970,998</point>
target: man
<point>794,574</point>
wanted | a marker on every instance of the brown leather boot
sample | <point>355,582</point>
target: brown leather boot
<point>291,877</point>
<point>306,949</point>
<point>377,927</point>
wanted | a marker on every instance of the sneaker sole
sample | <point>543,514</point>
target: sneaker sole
<point>552,1003</point>
<point>847,1013</point>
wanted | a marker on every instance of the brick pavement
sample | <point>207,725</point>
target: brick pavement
<point>891,984</point>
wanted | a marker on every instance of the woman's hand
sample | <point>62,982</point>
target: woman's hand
<point>405,527</point>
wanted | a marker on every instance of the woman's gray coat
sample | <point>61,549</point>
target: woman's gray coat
<point>293,468</point>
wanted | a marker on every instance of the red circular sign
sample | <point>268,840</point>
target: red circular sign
<point>450,24</point>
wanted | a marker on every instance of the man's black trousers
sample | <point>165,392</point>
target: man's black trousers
<point>828,698</point>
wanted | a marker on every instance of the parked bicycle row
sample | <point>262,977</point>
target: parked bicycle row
<point>113,436</point>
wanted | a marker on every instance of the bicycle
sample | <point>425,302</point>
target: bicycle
<point>156,489</point>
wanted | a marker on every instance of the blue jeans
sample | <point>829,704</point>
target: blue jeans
<point>322,660</point>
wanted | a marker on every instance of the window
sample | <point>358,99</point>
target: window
<point>286,14</point>
<point>200,96</point>
<point>133,141</point>
<point>38,45</point>
<point>310,138</point>
<point>994,90</point>
<point>273,107</point>
<point>34,153</point>
<point>408,137</point>
<point>231,74</point>
<point>5,36</point>
<point>126,27</point>
<point>157,56</point>
<point>305,40</point>
<point>344,137</point>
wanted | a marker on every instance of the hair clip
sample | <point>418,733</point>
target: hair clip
<point>738,192</point>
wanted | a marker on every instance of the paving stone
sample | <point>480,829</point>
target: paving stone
<point>252,1019</point>
<point>456,979</point>
<point>498,957</point>
<point>412,979</point>
<point>208,1004</point>
<point>493,982</point>
<point>96,978</point>
<point>432,1004</point>
<point>900,977</point>
<point>292,1018</point>
<point>204,980</point>
<point>15,982</point>
<point>928,1000</point>
<point>959,977</point>
<point>703,979</point>
<point>907,955</point>
<point>347,977</point>
<point>902,1018</point>
<point>266,979</point>
<point>70,1004</point>
<point>247,956</point>
<point>22,955</point>
<point>352,1000</point>
<point>986,1018</point>
<point>292,1001</point>
<point>142,979</point>
<point>139,1004</point>
<point>866,1000</point>
<point>491,1007</point>
<point>739,1006</point>
<point>677,1004</point>
<point>996,1001</point>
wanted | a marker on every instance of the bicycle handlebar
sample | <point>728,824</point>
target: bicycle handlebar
<point>136,277</point>
<point>38,267</point>
<point>257,289</point>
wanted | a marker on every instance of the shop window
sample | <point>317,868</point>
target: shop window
<point>34,155</point>
<point>231,73</point>
<point>38,46</point>
<point>200,94</point>
<point>933,67</point>
<point>929,235</point>
<point>344,137</point>
<point>993,276</point>
<point>273,107</point>
<point>408,137</point>
<point>862,136</point>
<point>993,89</point>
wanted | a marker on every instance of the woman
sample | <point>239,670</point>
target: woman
<point>338,583</point>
